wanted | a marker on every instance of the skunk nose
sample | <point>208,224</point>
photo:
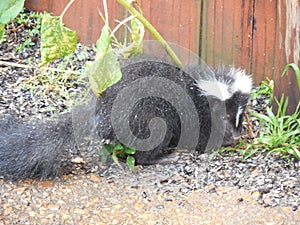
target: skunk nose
<point>232,140</point>
<point>235,139</point>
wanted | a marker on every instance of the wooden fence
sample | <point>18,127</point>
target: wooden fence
<point>261,36</point>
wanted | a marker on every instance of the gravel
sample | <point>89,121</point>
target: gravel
<point>272,181</point>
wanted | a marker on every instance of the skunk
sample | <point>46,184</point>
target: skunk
<point>154,107</point>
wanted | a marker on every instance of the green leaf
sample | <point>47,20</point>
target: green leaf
<point>56,40</point>
<point>2,26</point>
<point>108,148</point>
<point>130,151</point>
<point>130,162</point>
<point>137,35</point>
<point>136,45</point>
<point>115,159</point>
<point>103,43</point>
<point>118,147</point>
<point>296,69</point>
<point>9,9</point>
<point>105,70</point>
<point>105,152</point>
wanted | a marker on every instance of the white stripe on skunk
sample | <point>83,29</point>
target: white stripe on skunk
<point>224,82</point>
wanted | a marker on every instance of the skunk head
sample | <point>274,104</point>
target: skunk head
<point>228,91</point>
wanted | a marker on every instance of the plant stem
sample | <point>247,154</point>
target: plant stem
<point>67,7</point>
<point>105,12</point>
<point>152,30</point>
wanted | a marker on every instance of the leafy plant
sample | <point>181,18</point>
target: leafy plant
<point>265,88</point>
<point>48,85</point>
<point>23,19</point>
<point>281,132</point>
<point>118,151</point>
<point>58,41</point>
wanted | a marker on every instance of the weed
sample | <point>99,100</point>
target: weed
<point>265,88</point>
<point>33,22</point>
<point>281,132</point>
<point>53,86</point>
<point>118,151</point>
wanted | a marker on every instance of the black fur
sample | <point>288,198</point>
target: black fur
<point>36,149</point>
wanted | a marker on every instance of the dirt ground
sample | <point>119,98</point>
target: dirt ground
<point>91,199</point>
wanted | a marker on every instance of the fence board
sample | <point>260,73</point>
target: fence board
<point>261,36</point>
<point>176,20</point>
<point>287,49</point>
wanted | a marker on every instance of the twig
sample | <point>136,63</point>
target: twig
<point>152,30</point>
<point>249,124</point>
<point>4,63</point>
<point>67,7</point>
<point>120,24</point>
<point>8,31</point>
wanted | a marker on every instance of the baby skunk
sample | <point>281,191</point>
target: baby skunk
<point>198,109</point>
<point>156,106</point>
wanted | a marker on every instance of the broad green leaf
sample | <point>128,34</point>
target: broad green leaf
<point>103,43</point>
<point>2,26</point>
<point>105,70</point>
<point>56,40</point>
<point>9,9</point>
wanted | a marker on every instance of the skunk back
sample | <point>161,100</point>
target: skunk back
<point>157,106</point>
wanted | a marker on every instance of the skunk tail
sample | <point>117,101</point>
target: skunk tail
<point>34,149</point>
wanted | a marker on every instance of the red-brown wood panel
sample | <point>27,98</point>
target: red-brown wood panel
<point>208,32</point>
<point>264,33</point>
<point>176,20</point>
<point>246,38</point>
<point>82,16</point>
<point>287,50</point>
<point>261,36</point>
<point>226,32</point>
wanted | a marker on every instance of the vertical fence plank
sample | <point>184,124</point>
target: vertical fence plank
<point>208,31</point>
<point>245,33</point>
<point>177,21</point>
<point>264,32</point>
<point>287,50</point>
